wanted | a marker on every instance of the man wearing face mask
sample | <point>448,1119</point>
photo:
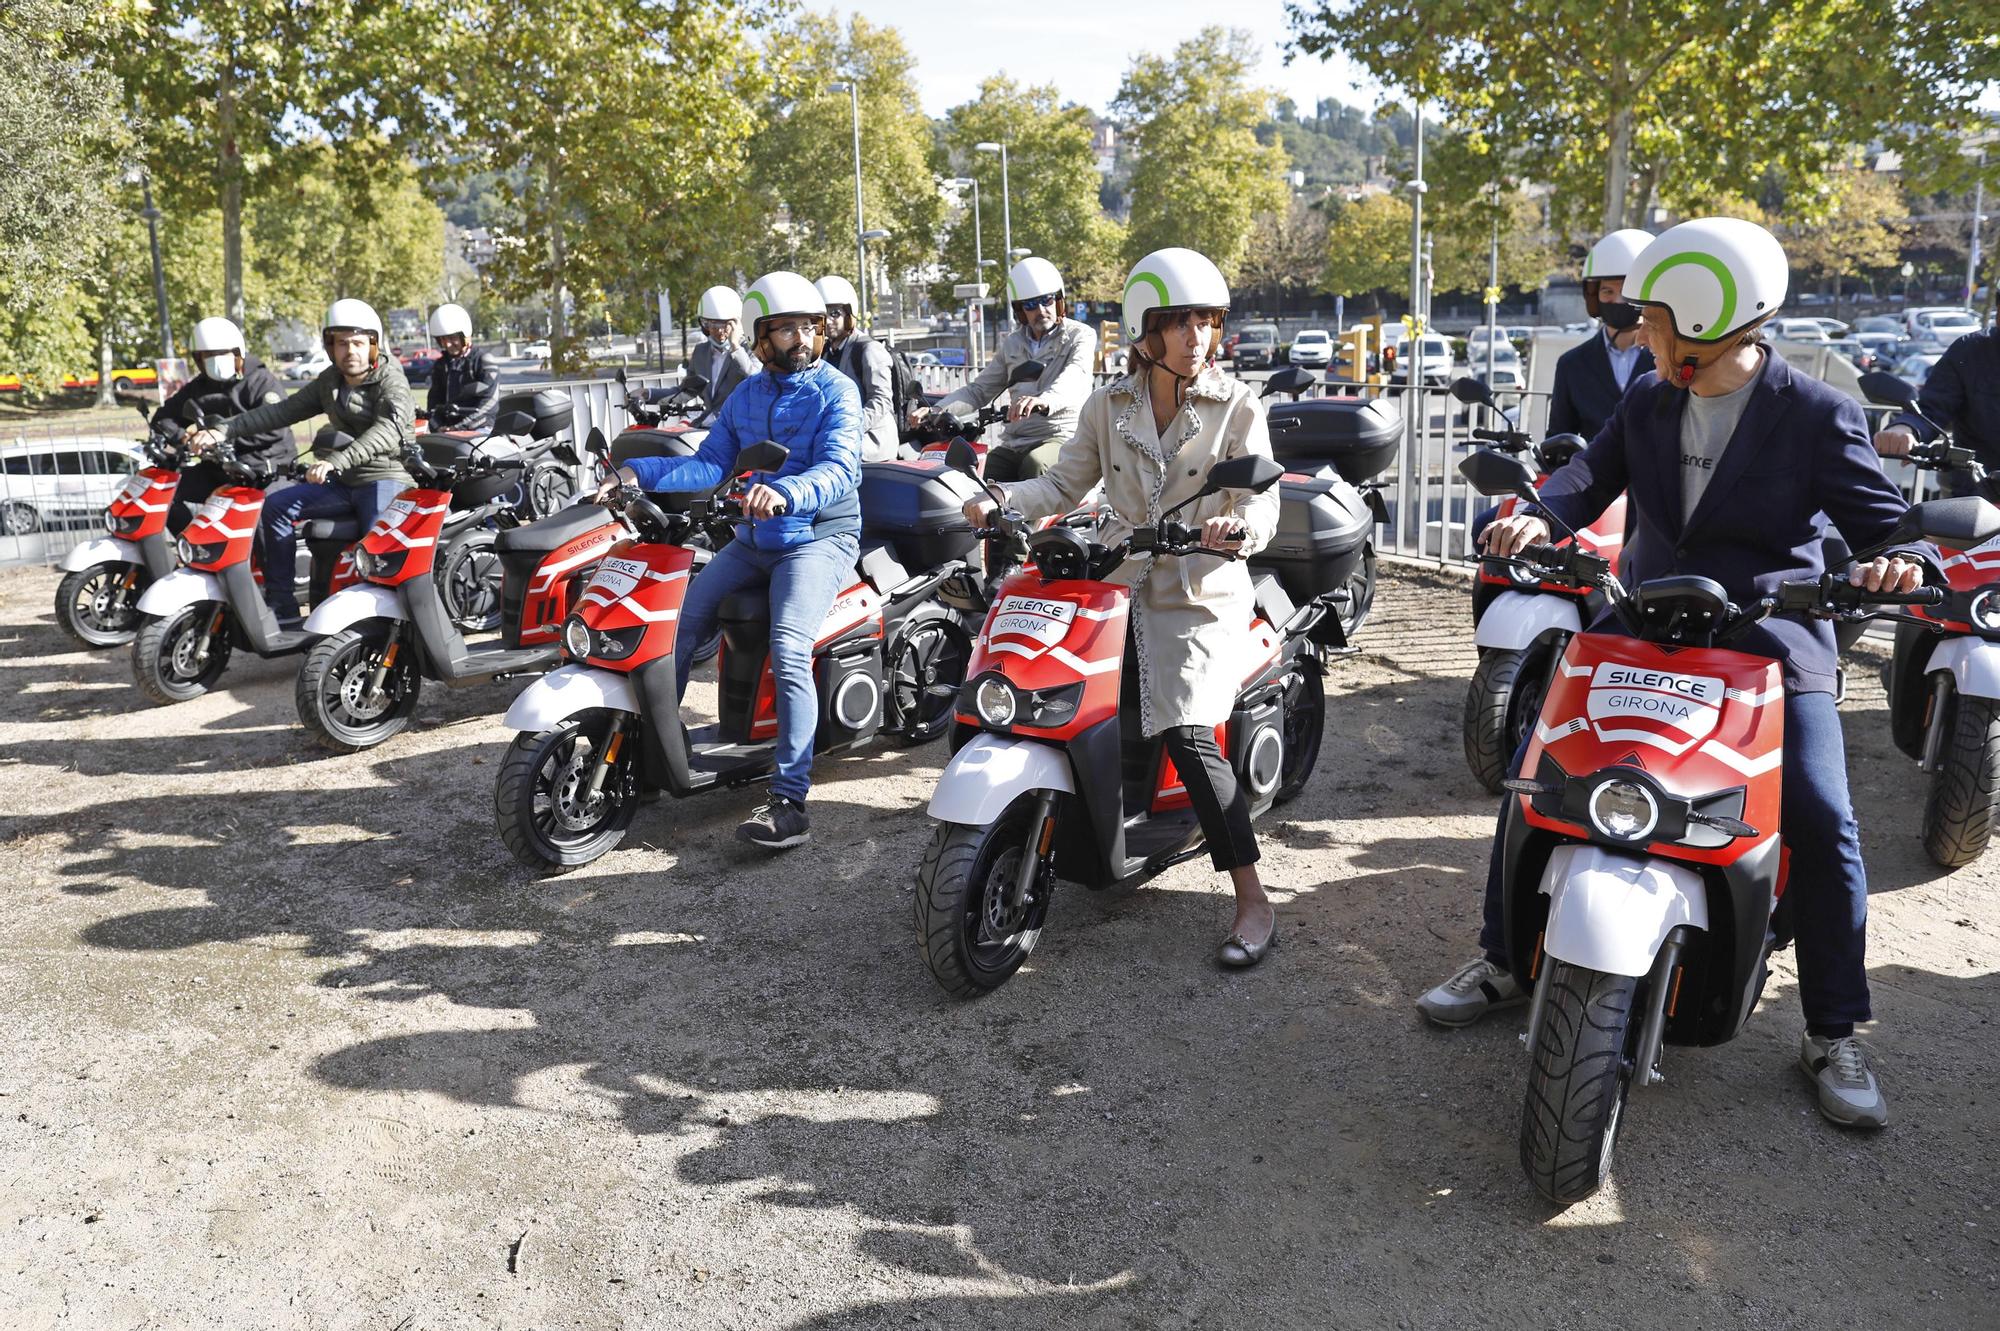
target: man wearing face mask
<point>465,389</point>
<point>865,361</point>
<point>1066,350</point>
<point>1591,377</point>
<point>720,359</point>
<point>802,524</point>
<point>1734,464</point>
<point>364,393</point>
<point>228,382</point>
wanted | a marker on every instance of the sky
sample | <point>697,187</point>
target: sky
<point>1084,46</point>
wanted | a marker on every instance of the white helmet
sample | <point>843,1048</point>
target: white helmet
<point>721,304</point>
<point>1171,279</point>
<point>782,293</point>
<point>451,321</point>
<point>217,335</point>
<point>1608,258</point>
<point>836,290</point>
<point>1032,277</point>
<point>356,315</point>
<point>1715,275</point>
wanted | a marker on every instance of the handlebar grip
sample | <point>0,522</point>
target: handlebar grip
<point>1921,596</point>
<point>1539,553</point>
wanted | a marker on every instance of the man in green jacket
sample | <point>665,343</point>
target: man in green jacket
<point>367,398</point>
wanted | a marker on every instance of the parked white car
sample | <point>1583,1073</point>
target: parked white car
<point>1441,366</point>
<point>1834,327</point>
<point>309,367</point>
<point>1799,330</point>
<point>1504,378</point>
<point>1940,323</point>
<point>62,482</point>
<point>1918,368</point>
<point>1313,349</point>
<point>538,350</point>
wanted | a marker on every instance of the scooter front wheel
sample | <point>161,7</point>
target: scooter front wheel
<point>337,696</point>
<point>1965,790</point>
<point>972,939</point>
<point>181,656</point>
<point>544,805</point>
<point>1585,1042</point>
<point>97,608</point>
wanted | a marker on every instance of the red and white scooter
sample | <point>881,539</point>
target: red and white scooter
<point>97,600</point>
<point>1521,623</point>
<point>1053,777</point>
<point>1642,859</point>
<point>599,733</point>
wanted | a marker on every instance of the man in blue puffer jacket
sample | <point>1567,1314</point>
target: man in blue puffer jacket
<point>804,521</point>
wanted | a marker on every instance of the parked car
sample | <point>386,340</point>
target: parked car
<point>308,368</point>
<point>1940,323</point>
<point>1503,353</point>
<point>63,482</point>
<point>1502,377</point>
<point>1313,349</point>
<point>1583,327</point>
<point>1855,350</point>
<point>1881,345</point>
<point>1798,330</point>
<point>1917,368</point>
<point>923,358</point>
<point>418,362</point>
<point>1833,327</point>
<point>1256,347</point>
<point>1878,323</point>
<point>537,350</point>
<point>1440,365</point>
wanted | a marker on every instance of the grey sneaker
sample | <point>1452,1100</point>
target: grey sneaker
<point>1477,989</point>
<point>778,824</point>
<point>1848,1092</point>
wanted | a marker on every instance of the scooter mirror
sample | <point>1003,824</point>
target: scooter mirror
<point>595,442</point>
<point>1255,473</point>
<point>769,455</point>
<point>619,375</point>
<point>1473,391</point>
<point>1027,372</point>
<point>1956,522</point>
<point>1888,390</point>
<point>693,385</point>
<point>961,456</point>
<point>1494,473</point>
<point>1292,379</point>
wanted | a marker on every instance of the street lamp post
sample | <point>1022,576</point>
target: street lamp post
<point>152,216</point>
<point>853,91</point>
<point>1006,211</point>
<point>978,261</point>
<point>867,236</point>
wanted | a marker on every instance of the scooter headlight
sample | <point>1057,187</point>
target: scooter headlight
<point>994,701</point>
<point>1985,611</point>
<point>1624,810</point>
<point>576,638</point>
<point>185,549</point>
<point>365,563</point>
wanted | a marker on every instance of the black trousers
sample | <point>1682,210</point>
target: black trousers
<point>1218,801</point>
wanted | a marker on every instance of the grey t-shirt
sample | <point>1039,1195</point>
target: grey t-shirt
<point>1706,427</point>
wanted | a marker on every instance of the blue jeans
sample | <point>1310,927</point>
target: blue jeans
<point>804,580</point>
<point>1826,891</point>
<point>285,510</point>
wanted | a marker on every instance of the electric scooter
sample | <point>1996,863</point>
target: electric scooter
<point>1642,858</point>
<point>1052,778</point>
<point>96,602</point>
<point>600,733</point>
<point>382,637</point>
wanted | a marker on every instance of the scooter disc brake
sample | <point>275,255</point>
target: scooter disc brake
<point>572,810</point>
<point>356,699</point>
<point>186,649</point>
<point>996,920</point>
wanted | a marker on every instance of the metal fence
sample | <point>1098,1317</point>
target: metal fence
<point>56,480</point>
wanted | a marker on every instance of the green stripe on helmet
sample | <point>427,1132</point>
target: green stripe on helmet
<point>1725,318</point>
<point>1151,279</point>
<point>762,304</point>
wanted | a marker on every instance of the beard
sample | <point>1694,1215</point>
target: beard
<point>800,356</point>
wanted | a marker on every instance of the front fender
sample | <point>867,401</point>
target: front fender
<point>990,772</point>
<point>564,692</point>
<point>350,605</point>
<point>1974,664</point>
<point>102,550</point>
<point>1514,620</point>
<point>178,590</point>
<point>1610,911</point>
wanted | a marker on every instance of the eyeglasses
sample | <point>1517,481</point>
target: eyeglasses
<point>791,328</point>
<point>1039,302</point>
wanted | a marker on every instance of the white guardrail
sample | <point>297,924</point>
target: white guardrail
<point>55,481</point>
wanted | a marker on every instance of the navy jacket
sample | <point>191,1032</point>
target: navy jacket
<point>1800,456</point>
<point>1586,391</point>
<point>816,414</point>
<point>464,392</point>
<point>1963,395</point>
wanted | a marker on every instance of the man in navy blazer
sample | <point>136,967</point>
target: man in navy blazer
<point>1767,457</point>
<point>1594,374</point>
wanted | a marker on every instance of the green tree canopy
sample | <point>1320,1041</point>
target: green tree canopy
<point>1201,177</point>
<point>1368,245</point>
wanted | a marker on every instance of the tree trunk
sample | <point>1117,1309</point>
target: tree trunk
<point>105,397</point>
<point>232,198</point>
<point>1618,161</point>
<point>558,259</point>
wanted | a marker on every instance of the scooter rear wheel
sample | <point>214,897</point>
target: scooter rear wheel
<point>166,653</point>
<point>541,803</point>
<point>971,941</point>
<point>1305,725</point>
<point>1585,1044</point>
<point>926,664</point>
<point>469,581</point>
<point>335,698</point>
<point>96,609</point>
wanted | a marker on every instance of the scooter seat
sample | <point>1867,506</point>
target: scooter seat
<point>552,532</point>
<point>332,529</point>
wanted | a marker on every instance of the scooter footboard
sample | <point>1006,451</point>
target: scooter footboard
<point>1610,911</point>
<point>564,692</point>
<point>992,771</point>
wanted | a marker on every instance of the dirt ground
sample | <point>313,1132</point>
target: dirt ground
<point>294,1044</point>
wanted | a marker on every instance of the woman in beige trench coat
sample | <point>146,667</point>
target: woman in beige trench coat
<point>1150,439</point>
